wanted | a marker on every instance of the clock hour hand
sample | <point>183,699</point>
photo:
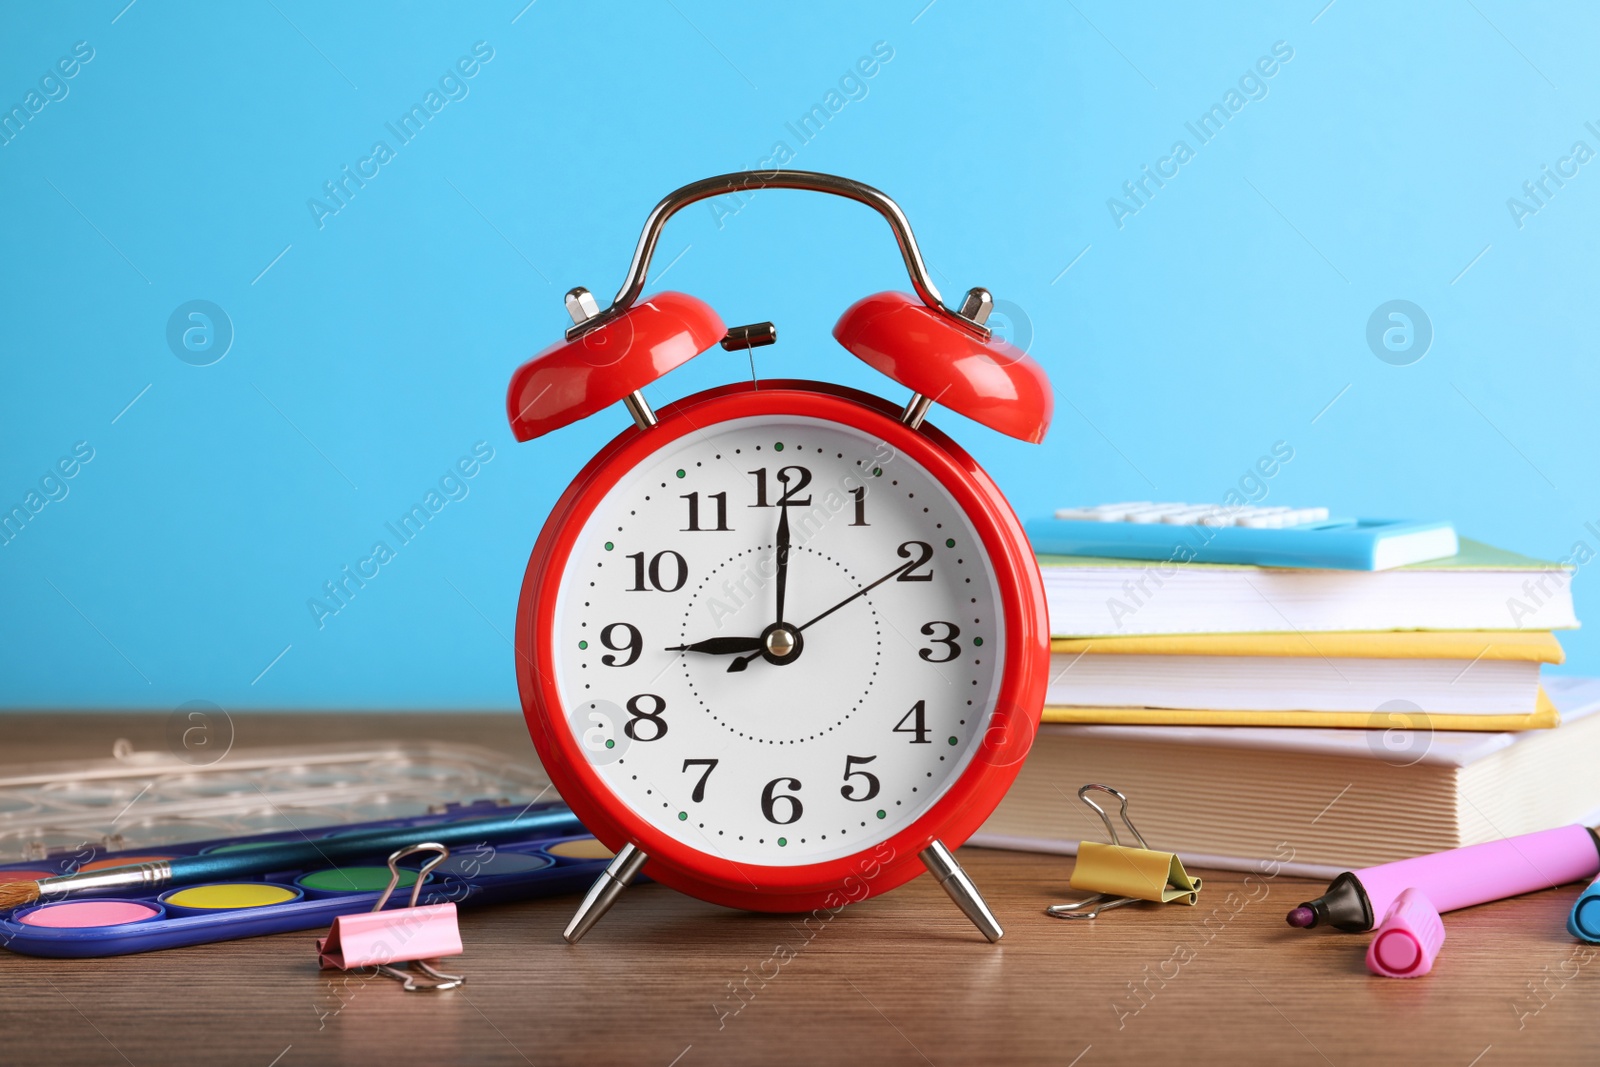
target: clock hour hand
<point>721,646</point>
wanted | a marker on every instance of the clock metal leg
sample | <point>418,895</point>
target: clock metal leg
<point>949,874</point>
<point>623,868</point>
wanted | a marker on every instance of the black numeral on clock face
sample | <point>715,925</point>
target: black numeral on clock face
<point>710,765</point>
<point>632,646</point>
<point>919,727</point>
<point>952,631</point>
<point>694,512</point>
<point>651,720</point>
<point>677,572</point>
<point>770,799</point>
<point>869,783</point>
<point>860,493</point>
<point>924,553</point>
<point>800,477</point>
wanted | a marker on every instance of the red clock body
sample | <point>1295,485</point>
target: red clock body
<point>907,681</point>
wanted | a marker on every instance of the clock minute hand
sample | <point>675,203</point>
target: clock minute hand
<point>721,646</point>
<point>743,661</point>
<point>863,591</point>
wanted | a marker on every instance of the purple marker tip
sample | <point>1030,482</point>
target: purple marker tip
<point>1301,917</point>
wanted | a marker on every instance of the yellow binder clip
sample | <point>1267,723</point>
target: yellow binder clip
<point>1118,874</point>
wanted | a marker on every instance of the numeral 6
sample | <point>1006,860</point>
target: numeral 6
<point>769,801</point>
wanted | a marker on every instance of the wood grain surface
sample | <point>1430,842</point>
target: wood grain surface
<point>899,979</point>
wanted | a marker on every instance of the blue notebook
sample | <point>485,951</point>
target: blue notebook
<point>1263,537</point>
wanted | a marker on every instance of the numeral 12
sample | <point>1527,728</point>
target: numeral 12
<point>800,476</point>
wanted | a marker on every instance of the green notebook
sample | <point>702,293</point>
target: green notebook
<point>1480,588</point>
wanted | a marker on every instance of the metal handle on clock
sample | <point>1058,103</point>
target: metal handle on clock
<point>968,315</point>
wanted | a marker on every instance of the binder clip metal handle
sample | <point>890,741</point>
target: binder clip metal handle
<point>442,853</point>
<point>1095,905</point>
<point>415,934</point>
<point>1111,831</point>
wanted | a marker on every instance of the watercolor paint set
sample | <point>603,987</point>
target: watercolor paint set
<point>65,820</point>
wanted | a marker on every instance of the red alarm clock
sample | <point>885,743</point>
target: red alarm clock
<point>782,644</point>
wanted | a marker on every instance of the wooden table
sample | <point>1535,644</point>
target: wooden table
<point>902,978</point>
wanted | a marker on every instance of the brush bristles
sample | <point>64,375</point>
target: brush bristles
<point>16,894</point>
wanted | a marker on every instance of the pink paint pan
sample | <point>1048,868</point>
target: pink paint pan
<point>83,914</point>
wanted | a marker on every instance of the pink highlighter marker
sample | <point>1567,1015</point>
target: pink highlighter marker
<point>1459,878</point>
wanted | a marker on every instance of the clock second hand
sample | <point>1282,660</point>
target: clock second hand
<point>743,661</point>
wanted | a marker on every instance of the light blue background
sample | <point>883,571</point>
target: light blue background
<point>1222,317</point>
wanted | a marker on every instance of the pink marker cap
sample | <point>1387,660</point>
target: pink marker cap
<point>1408,940</point>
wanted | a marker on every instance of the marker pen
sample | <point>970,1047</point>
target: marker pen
<point>1459,878</point>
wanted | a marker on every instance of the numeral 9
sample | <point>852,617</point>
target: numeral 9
<point>633,646</point>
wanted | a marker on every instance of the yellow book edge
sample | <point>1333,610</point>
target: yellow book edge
<point>1543,717</point>
<point>1537,646</point>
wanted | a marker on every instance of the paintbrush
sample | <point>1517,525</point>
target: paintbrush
<point>545,821</point>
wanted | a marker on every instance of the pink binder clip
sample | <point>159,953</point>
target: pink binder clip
<point>418,935</point>
<point>1409,940</point>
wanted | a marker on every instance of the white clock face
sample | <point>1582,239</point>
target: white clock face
<point>766,738</point>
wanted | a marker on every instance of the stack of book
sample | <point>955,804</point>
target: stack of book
<point>1319,719</point>
<point>1309,801</point>
<point>1460,640</point>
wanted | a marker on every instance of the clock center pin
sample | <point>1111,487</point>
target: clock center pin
<point>781,643</point>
